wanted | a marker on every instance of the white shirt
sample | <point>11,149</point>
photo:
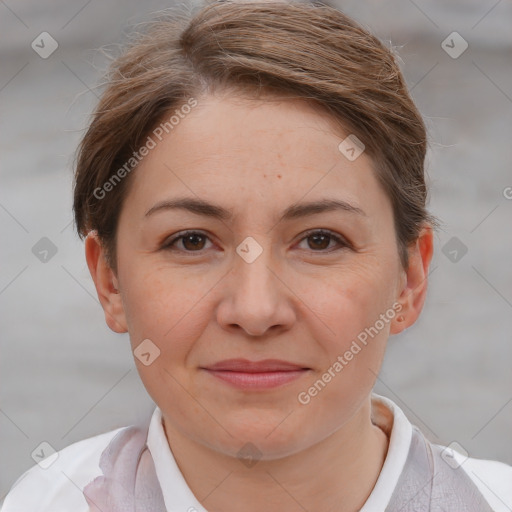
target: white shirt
<point>59,487</point>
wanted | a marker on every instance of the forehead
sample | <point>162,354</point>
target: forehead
<point>249,154</point>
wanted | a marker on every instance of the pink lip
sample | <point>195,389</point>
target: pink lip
<point>264,374</point>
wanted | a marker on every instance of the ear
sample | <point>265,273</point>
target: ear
<point>106,283</point>
<point>414,290</point>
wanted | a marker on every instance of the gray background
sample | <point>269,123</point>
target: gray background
<point>65,376</point>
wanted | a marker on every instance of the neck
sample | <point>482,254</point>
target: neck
<point>336,474</point>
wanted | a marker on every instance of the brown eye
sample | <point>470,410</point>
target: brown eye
<point>320,240</point>
<point>191,241</point>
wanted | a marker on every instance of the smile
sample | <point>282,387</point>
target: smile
<point>266,374</point>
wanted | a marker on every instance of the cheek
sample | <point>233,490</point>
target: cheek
<point>171,312</point>
<point>357,308</point>
<point>350,301</point>
<point>166,307</point>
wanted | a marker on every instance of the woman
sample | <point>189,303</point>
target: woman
<point>252,194</point>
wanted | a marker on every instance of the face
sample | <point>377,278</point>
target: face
<point>250,278</point>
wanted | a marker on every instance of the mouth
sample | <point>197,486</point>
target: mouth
<point>266,374</point>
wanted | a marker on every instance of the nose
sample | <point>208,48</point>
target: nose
<point>256,298</point>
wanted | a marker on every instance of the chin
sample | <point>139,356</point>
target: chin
<point>269,437</point>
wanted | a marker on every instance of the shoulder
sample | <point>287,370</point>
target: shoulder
<point>57,485</point>
<point>492,478</point>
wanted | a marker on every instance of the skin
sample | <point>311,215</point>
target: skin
<point>299,301</point>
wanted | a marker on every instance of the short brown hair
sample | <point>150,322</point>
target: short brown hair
<point>303,50</point>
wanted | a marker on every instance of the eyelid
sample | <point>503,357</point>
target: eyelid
<point>171,240</point>
<point>338,238</point>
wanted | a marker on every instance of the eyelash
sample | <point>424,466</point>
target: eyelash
<point>168,245</point>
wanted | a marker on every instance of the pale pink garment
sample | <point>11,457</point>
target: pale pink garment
<point>426,484</point>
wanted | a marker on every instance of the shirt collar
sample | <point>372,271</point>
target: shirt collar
<point>385,414</point>
<point>177,495</point>
<point>390,418</point>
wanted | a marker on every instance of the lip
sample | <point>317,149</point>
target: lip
<point>246,366</point>
<point>265,374</point>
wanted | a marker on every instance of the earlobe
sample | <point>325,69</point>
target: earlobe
<point>106,283</point>
<point>413,293</point>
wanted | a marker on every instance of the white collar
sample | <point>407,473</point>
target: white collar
<point>390,418</point>
<point>386,414</point>
<point>177,494</point>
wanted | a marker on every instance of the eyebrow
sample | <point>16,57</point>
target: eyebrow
<point>295,211</point>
